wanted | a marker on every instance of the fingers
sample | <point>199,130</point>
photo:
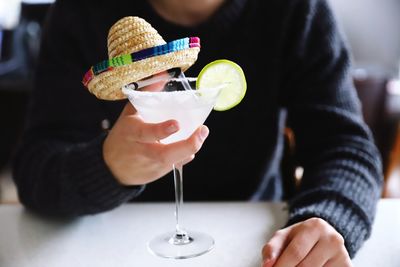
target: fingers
<point>269,258</point>
<point>135,129</point>
<point>154,83</point>
<point>274,247</point>
<point>341,261</point>
<point>139,131</point>
<point>128,110</point>
<point>134,155</point>
<point>325,250</point>
<point>187,160</point>
<point>155,87</point>
<point>313,242</point>
<point>303,239</point>
<point>183,151</point>
<point>318,256</point>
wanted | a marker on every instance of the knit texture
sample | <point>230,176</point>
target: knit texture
<point>302,68</point>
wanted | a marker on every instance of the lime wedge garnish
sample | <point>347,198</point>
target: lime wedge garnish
<point>228,75</point>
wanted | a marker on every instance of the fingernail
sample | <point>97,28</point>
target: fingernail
<point>172,128</point>
<point>204,133</point>
<point>267,262</point>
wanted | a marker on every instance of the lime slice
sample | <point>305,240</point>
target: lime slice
<point>227,74</point>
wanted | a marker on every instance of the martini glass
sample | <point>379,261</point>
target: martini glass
<point>190,108</point>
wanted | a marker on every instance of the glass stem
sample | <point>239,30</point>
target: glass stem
<point>178,180</point>
<point>180,237</point>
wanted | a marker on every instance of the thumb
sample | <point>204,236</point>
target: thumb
<point>273,249</point>
<point>268,263</point>
<point>268,255</point>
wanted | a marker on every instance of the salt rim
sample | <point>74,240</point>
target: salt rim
<point>129,89</point>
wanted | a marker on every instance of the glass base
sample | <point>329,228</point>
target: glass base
<point>196,245</point>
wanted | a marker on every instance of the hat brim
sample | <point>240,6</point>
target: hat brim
<point>108,85</point>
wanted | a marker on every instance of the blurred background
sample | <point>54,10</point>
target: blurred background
<point>371,28</point>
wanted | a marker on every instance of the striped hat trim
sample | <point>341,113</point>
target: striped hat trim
<point>123,60</point>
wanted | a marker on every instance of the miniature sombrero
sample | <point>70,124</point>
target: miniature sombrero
<point>137,51</point>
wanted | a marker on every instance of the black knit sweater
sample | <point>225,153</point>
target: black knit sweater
<point>296,63</point>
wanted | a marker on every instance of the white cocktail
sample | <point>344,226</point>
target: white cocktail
<point>189,107</point>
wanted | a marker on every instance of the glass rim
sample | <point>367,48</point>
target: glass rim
<point>143,83</point>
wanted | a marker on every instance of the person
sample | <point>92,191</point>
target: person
<point>81,155</point>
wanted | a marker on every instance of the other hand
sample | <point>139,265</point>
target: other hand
<point>312,243</point>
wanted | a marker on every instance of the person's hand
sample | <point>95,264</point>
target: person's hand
<point>312,243</point>
<point>135,156</point>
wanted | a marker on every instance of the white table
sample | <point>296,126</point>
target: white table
<point>119,237</point>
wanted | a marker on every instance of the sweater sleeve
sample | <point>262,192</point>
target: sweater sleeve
<point>59,168</point>
<point>342,168</point>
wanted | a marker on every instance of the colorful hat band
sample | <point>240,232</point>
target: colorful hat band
<point>124,60</point>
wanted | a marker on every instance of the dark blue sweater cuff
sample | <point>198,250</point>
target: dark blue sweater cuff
<point>97,187</point>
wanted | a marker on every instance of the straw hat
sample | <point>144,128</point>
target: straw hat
<point>137,51</point>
